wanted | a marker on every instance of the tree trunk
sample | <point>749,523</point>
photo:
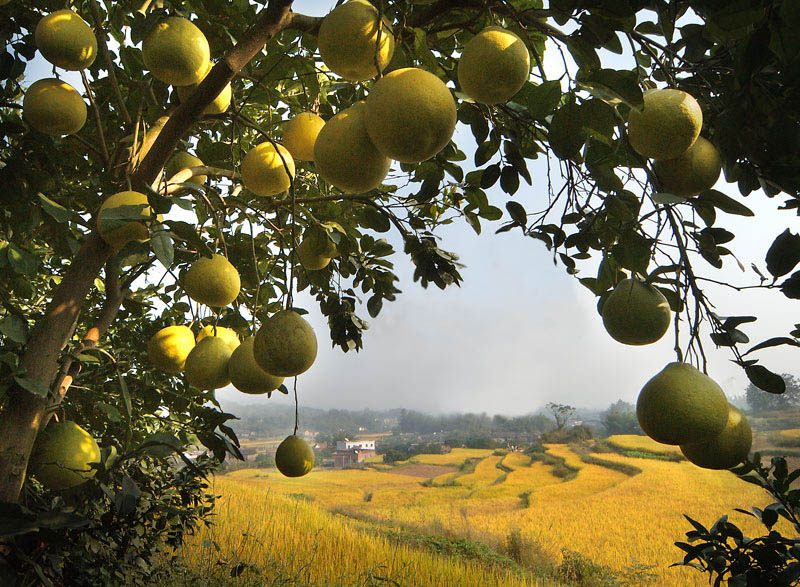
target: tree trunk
<point>25,412</point>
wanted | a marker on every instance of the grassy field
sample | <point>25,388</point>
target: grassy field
<point>618,511</point>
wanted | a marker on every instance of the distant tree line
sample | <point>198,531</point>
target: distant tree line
<point>759,402</point>
<point>472,425</point>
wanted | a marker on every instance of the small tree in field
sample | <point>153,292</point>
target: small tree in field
<point>77,312</point>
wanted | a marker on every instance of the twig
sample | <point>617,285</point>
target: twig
<point>97,120</point>
<point>101,39</point>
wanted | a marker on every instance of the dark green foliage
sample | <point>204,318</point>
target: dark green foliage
<point>761,402</point>
<point>620,418</point>
<point>730,558</point>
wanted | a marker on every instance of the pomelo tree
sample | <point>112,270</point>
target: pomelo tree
<point>86,280</point>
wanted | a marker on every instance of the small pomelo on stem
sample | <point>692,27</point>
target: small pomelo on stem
<point>726,450</point>
<point>169,347</point>
<point>667,126</point>
<point>695,171</point>
<point>285,345</point>
<point>229,335</point>
<point>176,52</point>
<point>348,37</point>
<point>62,455</point>
<point>245,373</point>
<point>494,66</point>
<point>300,135</point>
<point>65,40</point>
<point>346,157</point>
<point>207,365</point>
<point>411,115</point>
<point>264,169</point>
<point>636,313</point>
<point>212,281</point>
<point>54,107</point>
<point>681,405</point>
<point>124,217</point>
<point>294,458</point>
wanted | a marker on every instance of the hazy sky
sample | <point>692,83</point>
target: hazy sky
<point>520,332</point>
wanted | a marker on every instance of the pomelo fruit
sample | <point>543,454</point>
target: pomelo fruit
<point>695,171</point>
<point>345,156</point>
<point>294,458</point>
<point>212,281</point>
<point>169,347</point>
<point>62,455</point>
<point>726,450</point>
<point>285,344</point>
<point>245,373</point>
<point>207,364</point>
<point>681,405</point>
<point>316,250</point>
<point>348,37</point>
<point>124,217</point>
<point>220,103</point>
<point>264,169</point>
<point>636,313</point>
<point>176,52</point>
<point>54,107</point>
<point>183,160</point>
<point>229,335</point>
<point>411,115</point>
<point>493,66</point>
<point>668,125</point>
<point>65,40</point>
<point>300,135</point>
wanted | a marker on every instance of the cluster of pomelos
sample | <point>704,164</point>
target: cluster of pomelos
<point>680,405</point>
<point>408,116</point>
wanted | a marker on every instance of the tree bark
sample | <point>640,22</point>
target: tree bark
<point>24,412</point>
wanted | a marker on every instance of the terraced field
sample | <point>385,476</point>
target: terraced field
<point>620,511</point>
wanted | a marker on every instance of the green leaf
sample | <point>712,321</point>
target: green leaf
<point>543,99</point>
<point>57,211</point>
<point>21,260</point>
<point>34,386</point>
<point>374,305</point>
<point>724,203</point>
<point>517,212</point>
<point>613,86</point>
<point>784,254</point>
<point>765,379</point>
<point>776,341</point>
<point>15,328</point>
<point>665,198</point>
<point>161,244</point>
<point>509,180</point>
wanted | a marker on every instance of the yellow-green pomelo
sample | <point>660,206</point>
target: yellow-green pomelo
<point>123,218</point>
<point>220,103</point>
<point>65,40</point>
<point>345,156</point>
<point>207,365</point>
<point>183,160</point>
<point>681,405</point>
<point>726,450</point>
<point>667,126</point>
<point>264,169</point>
<point>300,135</point>
<point>636,313</point>
<point>348,37</point>
<point>212,281</point>
<point>176,52</point>
<point>62,455</point>
<point>245,373</point>
<point>315,252</point>
<point>169,347</point>
<point>411,115</point>
<point>693,172</point>
<point>493,66</point>
<point>285,344</point>
<point>229,335</point>
<point>54,107</point>
<point>294,458</point>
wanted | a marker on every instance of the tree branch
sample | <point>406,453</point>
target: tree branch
<point>101,40</point>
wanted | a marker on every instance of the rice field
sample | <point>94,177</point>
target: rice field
<point>635,442</point>
<point>624,521</point>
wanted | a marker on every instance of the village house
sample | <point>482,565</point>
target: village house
<point>352,453</point>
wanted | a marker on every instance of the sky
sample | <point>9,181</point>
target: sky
<point>520,332</point>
